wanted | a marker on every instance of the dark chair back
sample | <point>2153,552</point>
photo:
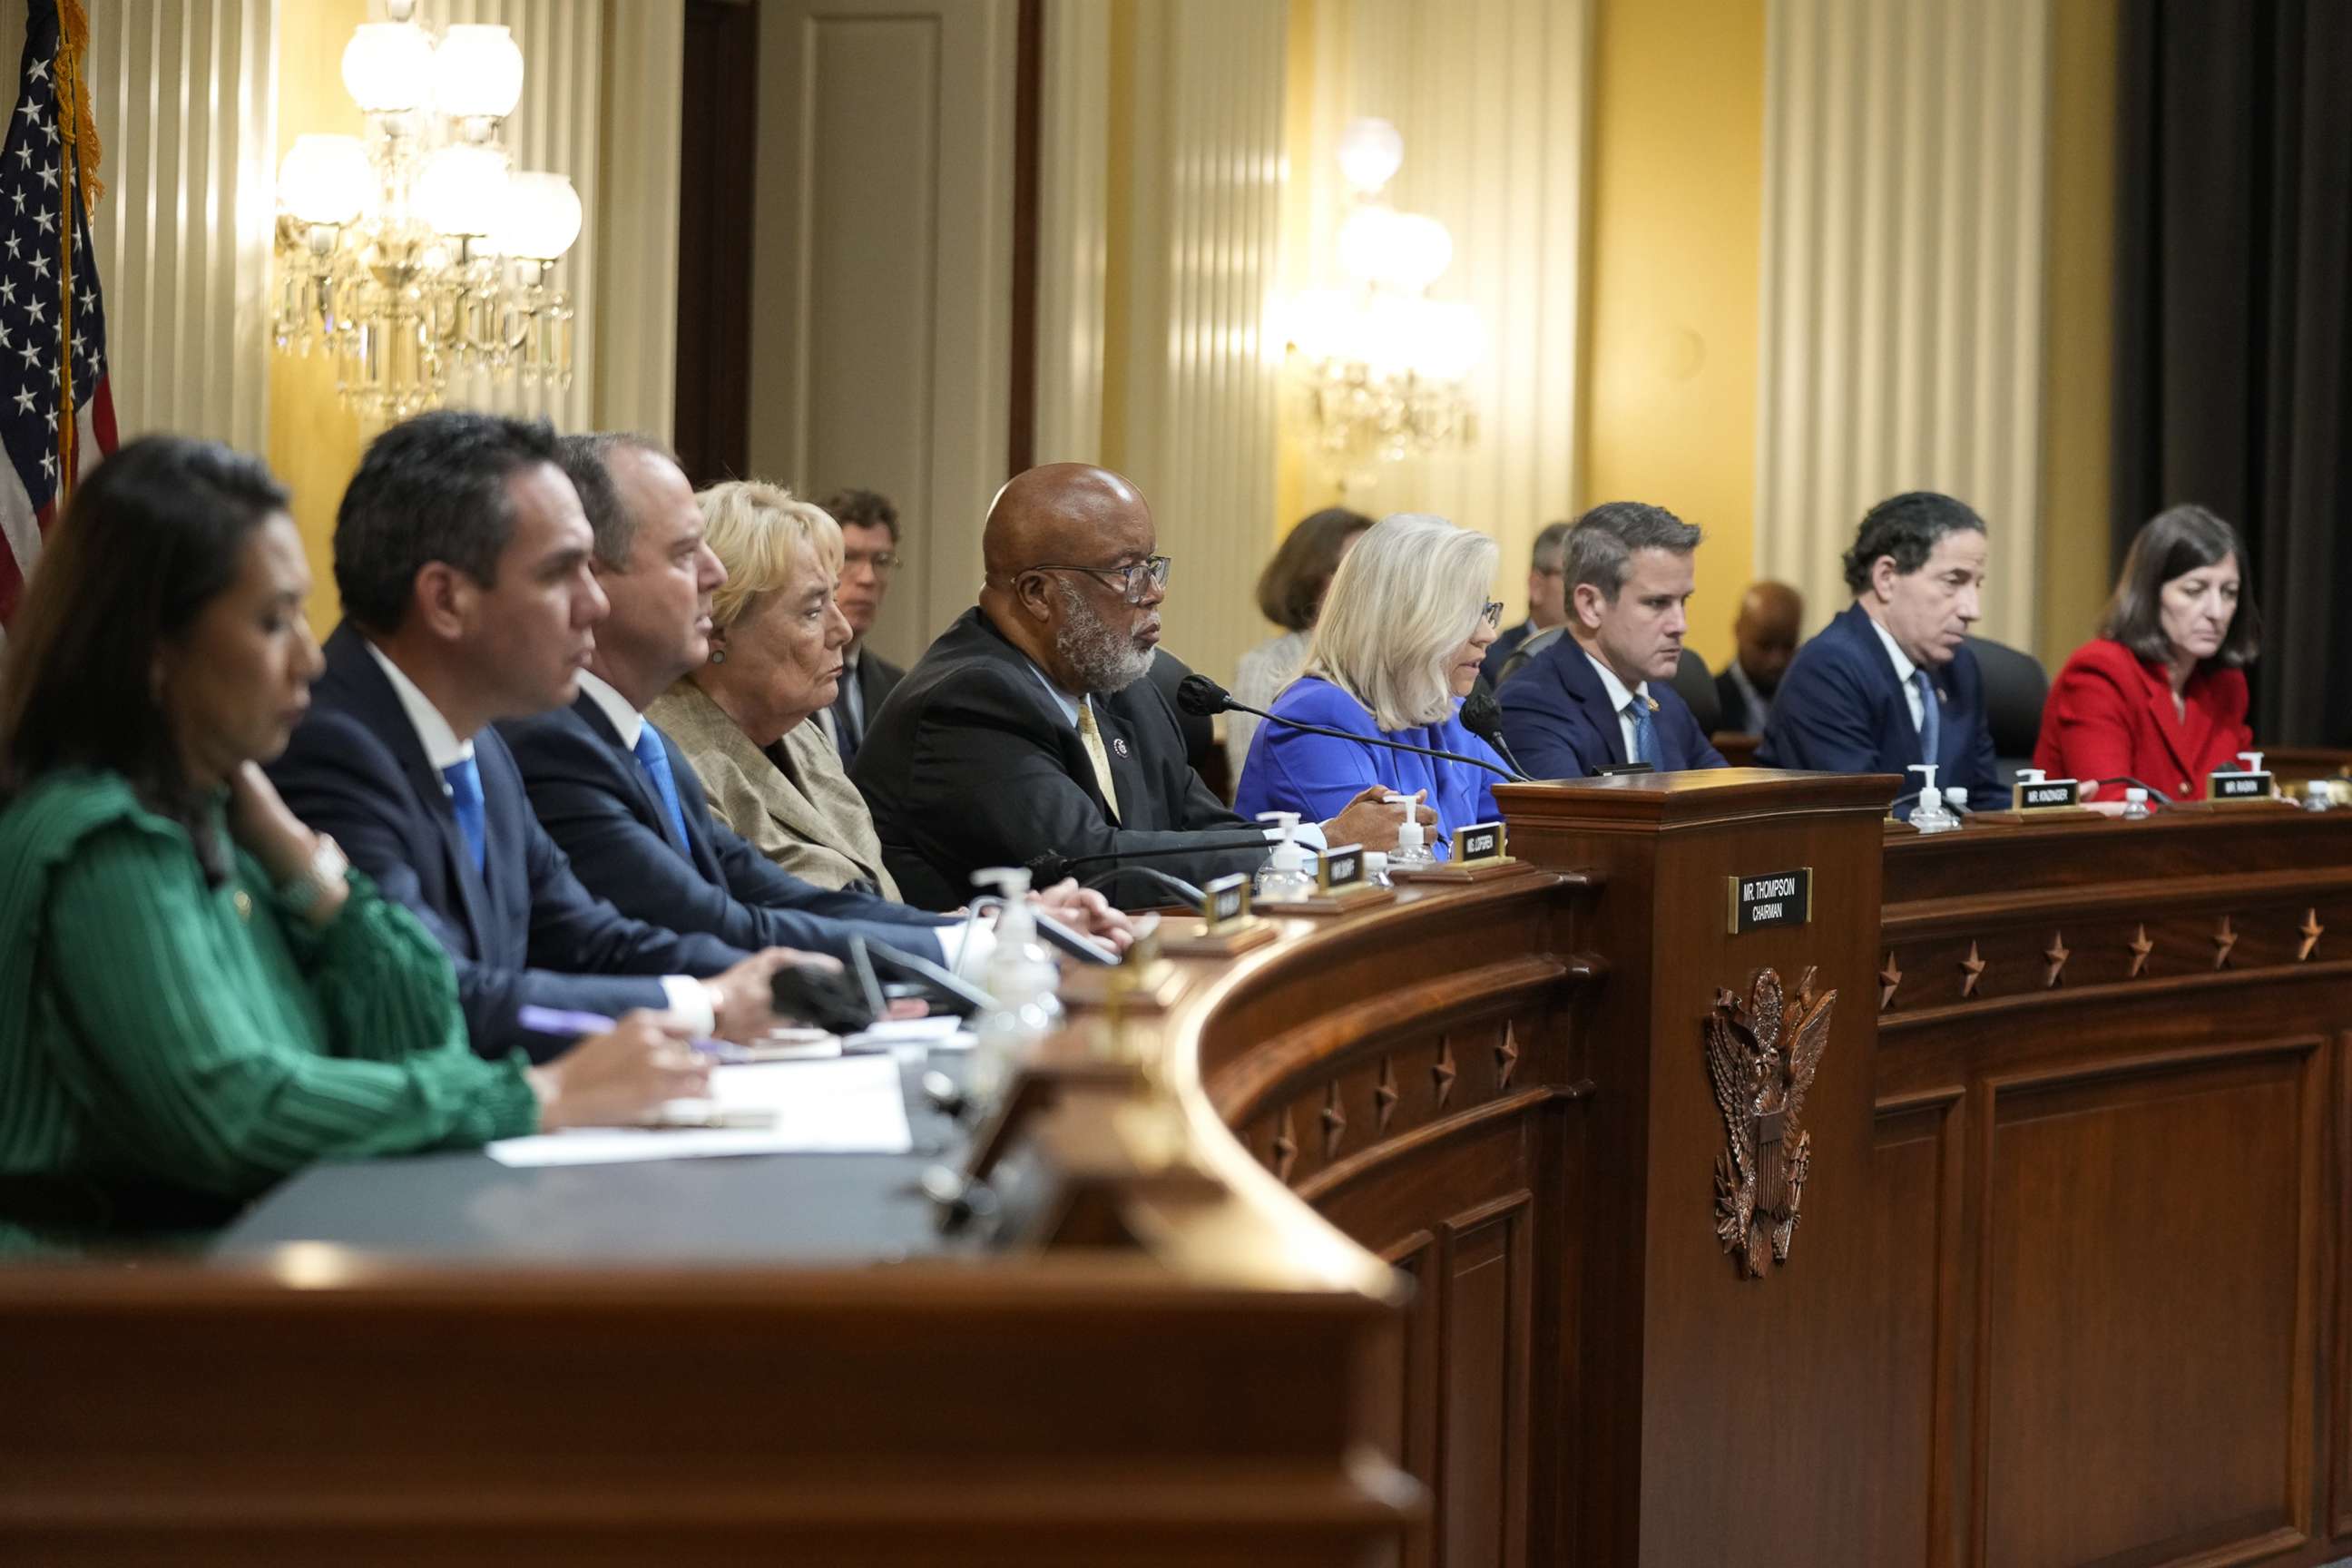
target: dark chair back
<point>2015,687</point>
<point>1695,684</point>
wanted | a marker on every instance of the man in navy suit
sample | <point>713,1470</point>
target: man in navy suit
<point>462,559</point>
<point>1890,681</point>
<point>621,801</point>
<point>1604,694</point>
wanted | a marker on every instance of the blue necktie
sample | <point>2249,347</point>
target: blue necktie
<point>464,781</point>
<point>1645,734</point>
<point>1930,721</point>
<point>655,756</point>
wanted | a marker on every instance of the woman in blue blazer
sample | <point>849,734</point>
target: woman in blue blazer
<point>1404,627</point>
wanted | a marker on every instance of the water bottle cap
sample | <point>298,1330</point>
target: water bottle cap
<point>2135,795</point>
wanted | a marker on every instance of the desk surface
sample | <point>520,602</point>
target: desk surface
<point>812,1209</point>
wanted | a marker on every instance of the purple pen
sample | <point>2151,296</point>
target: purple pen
<point>565,1024</point>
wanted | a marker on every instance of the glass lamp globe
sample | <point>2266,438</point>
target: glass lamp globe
<point>325,179</point>
<point>1419,252</point>
<point>1370,152</point>
<point>541,217</point>
<point>388,67</point>
<point>478,73</point>
<point>463,190</point>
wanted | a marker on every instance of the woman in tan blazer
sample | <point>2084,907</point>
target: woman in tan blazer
<point>747,720</point>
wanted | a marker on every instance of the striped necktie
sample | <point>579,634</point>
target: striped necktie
<point>1092,736</point>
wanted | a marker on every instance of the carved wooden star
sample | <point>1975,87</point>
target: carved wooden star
<point>2141,948</point>
<point>1888,979</point>
<point>1384,1095</point>
<point>2223,940</point>
<point>1506,1056</point>
<point>1335,1121</point>
<point>1285,1148</point>
<point>2057,953</point>
<point>1972,970</point>
<point>2311,931</point>
<point>1443,1073</point>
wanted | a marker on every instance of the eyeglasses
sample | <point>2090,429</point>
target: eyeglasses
<point>884,562</point>
<point>1492,613</point>
<point>1134,581</point>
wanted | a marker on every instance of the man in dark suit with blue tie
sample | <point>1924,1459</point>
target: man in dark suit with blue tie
<point>617,797</point>
<point>1890,681</point>
<point>1603,695</point>
<point>462,559</point>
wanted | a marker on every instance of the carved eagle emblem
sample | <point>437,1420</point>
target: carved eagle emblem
<point>1762,1051</point>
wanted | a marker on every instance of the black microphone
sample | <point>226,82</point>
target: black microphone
<point>1187,894</point>
<point>1200,696</point>
<point>1048,868</point>
<point>1483,717</point>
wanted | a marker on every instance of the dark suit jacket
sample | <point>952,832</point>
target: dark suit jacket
<point>1738,718</point>
<point>1559,725</point>
<point>877,678</point>
<point>1501,648</point>
<point>1840,709</point>
<point>521,933</point>
<point>973,763</point>
<point>597,802</point>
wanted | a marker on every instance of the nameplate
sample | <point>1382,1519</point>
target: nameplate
<point>1225,903</point>
<point>2050,794</point>
<point>1479,841</point>
<point>1339,869</point>
<point>1774,898</point>
<point>2238,786</point>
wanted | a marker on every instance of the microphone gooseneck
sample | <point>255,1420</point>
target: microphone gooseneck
<point>1483,717</point>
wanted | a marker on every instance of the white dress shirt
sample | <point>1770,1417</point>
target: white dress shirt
<point>1903,670</point>
<point>1619,700</point>
<point>689,999</point>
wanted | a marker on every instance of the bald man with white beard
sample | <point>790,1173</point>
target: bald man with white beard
<point>1027,730</point>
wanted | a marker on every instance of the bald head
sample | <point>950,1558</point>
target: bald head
<point>1067,513</point>
<point>1771,618</point>
<point>1059,546</point>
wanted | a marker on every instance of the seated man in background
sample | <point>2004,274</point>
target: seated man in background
<point>1603,695</point>
<point>462,559</point>
<point>1547,600</point>
<point>1028,730</point>
<point>618,798</point>
<point>1890,682</point>
<point>1771,622</point>
<point>869,559</point>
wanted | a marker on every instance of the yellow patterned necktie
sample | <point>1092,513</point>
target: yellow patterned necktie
<point>1096,755</point>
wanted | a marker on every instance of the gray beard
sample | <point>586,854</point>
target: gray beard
<point>1105,658</point>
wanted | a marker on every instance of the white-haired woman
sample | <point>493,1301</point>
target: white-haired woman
<point>1404,627</point>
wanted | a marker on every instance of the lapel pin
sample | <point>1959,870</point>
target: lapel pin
<point>1118,745</point>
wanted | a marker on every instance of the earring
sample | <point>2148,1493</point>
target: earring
<point>718,655</point>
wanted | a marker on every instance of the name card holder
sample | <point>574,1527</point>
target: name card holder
<point>1226,929</point>
<point>1478,857</point>
<point>1339,886</point>
<point>2033,797</point>
<point>2239,788</point>
<point>1142,981</point>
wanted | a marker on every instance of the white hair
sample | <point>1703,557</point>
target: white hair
<point>1406,597</point>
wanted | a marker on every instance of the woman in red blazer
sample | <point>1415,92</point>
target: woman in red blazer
<point>2160,695</point>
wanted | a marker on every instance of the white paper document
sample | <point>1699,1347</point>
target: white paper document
<point>849,1105</point>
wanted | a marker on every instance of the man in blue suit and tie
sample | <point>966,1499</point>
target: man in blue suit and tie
<point>1603,695</point>
<point>1890,681</point>
<point>462,559</point>
<point>622,803</point>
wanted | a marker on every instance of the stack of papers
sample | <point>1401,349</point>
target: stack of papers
<point>846,1105</point>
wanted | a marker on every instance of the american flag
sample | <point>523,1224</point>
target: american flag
<point>52,322</point>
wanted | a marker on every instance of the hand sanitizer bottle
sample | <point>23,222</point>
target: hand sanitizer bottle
<point>1284,879</point>
<point>1411,844</point>
<point>2135,805</point>
<point>1930,816</point>
<point>1021,975</point>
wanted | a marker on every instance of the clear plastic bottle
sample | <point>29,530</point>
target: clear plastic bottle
<point>1411,846</point>
<point>1021,976</point>
<point>1285,878</point>
<point>2136,808</point>
<point>1931,816</point>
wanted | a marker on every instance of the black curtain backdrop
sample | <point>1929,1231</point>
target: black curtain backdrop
<point>2233,300</point>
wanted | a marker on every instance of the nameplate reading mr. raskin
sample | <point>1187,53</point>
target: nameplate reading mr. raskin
<point>1774,898</point>
<point>2237,786</point>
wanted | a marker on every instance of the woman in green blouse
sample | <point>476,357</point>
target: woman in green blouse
<point>197,995</point>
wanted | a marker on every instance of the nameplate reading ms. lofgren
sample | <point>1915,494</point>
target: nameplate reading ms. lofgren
<point>1774,898</point>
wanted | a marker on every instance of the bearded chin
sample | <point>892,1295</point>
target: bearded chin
<point>1106,659</point>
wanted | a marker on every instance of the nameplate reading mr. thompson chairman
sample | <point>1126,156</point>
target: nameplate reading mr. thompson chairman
<point>1773,898</point>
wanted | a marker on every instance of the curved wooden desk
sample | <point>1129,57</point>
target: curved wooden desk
<point>2067,1286</point>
